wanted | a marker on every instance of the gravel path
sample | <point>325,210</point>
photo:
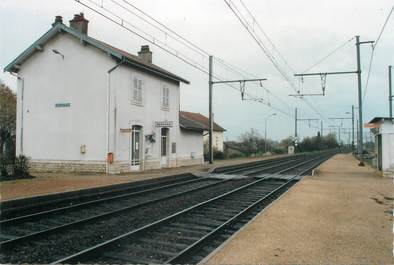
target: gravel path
<point>342,215</point>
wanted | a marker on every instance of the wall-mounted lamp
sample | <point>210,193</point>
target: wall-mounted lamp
<point>58,53</point>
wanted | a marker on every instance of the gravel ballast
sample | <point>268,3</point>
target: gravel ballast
<point>62,244</point>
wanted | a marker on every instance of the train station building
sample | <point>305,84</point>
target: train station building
<point>383,129</point>
<point>84,105</point>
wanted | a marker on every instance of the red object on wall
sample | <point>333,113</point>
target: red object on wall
<point>110,158</point>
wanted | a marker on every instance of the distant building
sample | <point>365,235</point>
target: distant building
<point>198,120</point>
<point>84,105</point>
<point>383,129</point>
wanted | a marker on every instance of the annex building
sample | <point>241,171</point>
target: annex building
<point>84,105</point>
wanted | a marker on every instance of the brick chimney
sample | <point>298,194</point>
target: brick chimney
<point>145,54</point>
<point>58,19</point>
<point>79,23</point>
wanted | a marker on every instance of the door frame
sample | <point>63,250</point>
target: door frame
<point>165,158</point>
<point>133,165</point>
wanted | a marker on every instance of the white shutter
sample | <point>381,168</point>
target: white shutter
<point>135,89</point>
<point>167,97</point>
<point>163,96</point>
<point>139,91</point>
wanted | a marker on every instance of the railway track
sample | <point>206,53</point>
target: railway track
<point>35,228</point>
<point>20,228</point>
<point>190,234</point>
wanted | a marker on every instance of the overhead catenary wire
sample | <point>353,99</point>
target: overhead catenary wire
<point>161,45</point>
<point>328,55</point>
<point>374,45</point>
<point>247,74</point>
<point>368,74</point>
<point>141,34</point>
<point>259,42</point>
<point>167,28</point>
<point>123,23</point>
<point>266,36</point>
<point>177,37</point>
<point>383,27</point>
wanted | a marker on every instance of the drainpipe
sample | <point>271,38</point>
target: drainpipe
<point>108,110</point>
<point>22,110</point>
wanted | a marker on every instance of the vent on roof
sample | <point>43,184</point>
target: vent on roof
<point>79,23</point>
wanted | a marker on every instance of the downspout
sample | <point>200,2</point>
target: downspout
<point>22,110</point>
<point>108,111</point>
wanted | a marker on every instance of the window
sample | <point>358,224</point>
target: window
<point>165,94</point>
<point>136,96</point>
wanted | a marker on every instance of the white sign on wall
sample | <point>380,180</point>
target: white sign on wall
<point>163,124</point>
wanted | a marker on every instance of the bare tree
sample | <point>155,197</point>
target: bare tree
<point>7,117</point>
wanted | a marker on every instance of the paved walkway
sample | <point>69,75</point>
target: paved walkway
<point>60,182</point>
<point>342,215</point>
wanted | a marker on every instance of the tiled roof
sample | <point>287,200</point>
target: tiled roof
<point>196,121</point>
<point>378,119</point>
<point>116,53</point>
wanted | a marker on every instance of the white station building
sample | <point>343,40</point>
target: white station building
<point>383,129</point>
<point>86,106</point>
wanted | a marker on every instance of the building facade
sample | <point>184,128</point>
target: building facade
<point>84,105</point>
<point>202,122</point>
<point>383,129</point>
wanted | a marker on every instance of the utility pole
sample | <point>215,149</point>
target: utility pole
<point>338,134</point>
<point>360,112</point>
<point>360,102</point>
<point>211,83</point>
<point>210,110</point>
<point>390,94</point>
<point>321,128</point>
<point>353,128</point>
<point>265,131</point>
<point>295,129</point>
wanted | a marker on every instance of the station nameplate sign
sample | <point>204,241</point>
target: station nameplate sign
<point>164,123</point>
<point>62,105</point>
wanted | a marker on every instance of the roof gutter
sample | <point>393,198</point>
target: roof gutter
<point>157,72</point>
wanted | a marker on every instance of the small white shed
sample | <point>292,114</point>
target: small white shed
<point>383,129</point>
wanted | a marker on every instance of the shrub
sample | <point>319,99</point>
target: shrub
<point>21,166</point>
<point>218,154</point>
<point>3,167</point>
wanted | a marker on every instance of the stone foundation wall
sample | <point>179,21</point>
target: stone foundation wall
<point>118,167</point>
<point>188,161</point>
<point>68,166</point>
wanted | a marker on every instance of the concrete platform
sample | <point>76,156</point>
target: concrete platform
<point>49,183</point>
<point>341,215</point>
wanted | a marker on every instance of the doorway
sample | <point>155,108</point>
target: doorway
<point>164,147</point>
<point>136,147</point>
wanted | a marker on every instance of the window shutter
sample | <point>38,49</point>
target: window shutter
<point>135,89</point>
<point>167,96</point>
<point>163,96</point>
<point>140,91</point>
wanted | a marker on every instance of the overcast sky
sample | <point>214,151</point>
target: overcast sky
<point>302,30</point>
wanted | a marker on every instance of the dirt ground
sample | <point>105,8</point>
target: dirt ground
<point>46,183</point>
<point>342,215</point>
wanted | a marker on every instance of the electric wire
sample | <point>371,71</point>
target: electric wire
<point>328,55</point>
<point>247,26</point>
<point>167,28</point>
<point>266,36</point>
<point>368,74</point>
<point>178,37</point>
<point>383,27</point>
<point>374,45</point>
<point>156,42</point>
